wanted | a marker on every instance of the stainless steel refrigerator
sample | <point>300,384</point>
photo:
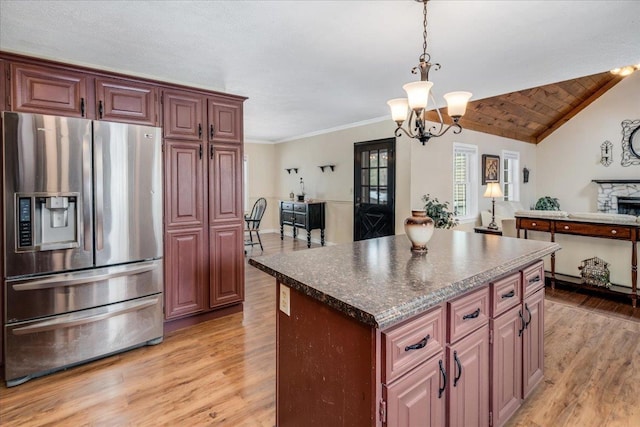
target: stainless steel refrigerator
<point>82,241</point>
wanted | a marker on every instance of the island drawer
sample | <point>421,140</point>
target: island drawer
<point>505,293</point>
<point>468,313</point>
<point>585,229</point>
<point>407,345</point>
<point>535,224</point>
<point>533,278</point>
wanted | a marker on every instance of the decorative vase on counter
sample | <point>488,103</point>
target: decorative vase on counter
<point>419,228</point>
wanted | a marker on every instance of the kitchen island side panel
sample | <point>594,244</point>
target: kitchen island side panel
<point>326,366</point>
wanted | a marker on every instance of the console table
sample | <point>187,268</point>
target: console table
<point>590,228</point>
<point>306,215</point>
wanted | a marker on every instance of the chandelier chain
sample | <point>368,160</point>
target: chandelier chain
<point>424,31</point>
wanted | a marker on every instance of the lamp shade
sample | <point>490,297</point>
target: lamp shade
<point>457,103</point>
<point>418,94</point>
<point>493,190</point>
<point>398,109</point>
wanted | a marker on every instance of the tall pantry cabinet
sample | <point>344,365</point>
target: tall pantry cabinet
<point>204,265</point>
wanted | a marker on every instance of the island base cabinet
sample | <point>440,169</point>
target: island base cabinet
<point>415,399</point>
<point>467,390</point>
<point>533,343</point>
<point>325,365</point>
<point>506,365</point>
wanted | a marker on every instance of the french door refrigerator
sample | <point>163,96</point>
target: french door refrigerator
<point>82,241</point>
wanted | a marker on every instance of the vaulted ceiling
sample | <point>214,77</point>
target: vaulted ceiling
<point>533,114</point>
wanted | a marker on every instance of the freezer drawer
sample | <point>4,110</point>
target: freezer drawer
<point>39,347</point>
<point>62,293</point>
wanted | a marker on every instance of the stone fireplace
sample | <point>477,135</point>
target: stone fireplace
<point>619,196</point>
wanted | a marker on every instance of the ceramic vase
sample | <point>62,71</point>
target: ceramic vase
<point>419,229</point>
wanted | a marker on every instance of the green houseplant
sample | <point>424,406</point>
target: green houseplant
<point>547,203</point>
<point>439,212</point>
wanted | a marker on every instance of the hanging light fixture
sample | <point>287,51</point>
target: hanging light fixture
<point>418,95</point>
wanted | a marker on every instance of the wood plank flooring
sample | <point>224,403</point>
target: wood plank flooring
<point>222,372</point>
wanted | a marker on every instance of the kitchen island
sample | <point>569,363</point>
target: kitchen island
<point>369,333</point>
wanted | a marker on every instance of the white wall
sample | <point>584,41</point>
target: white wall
<point>419,170</point>
<point>570,158</point>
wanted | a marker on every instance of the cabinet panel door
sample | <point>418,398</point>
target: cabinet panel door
<point>506,365</point>
<point>3,92</point>
<point>184,184</point>
<point>48,91</point>
<point>413,400</point>
<point>126,101</point>
<point>225,183</point>
<point>533,343</point>
<point>183,114</point>
<point>225,120</point>
<point>468,388</point>
<point>227,269</point>
<point>185,272</point>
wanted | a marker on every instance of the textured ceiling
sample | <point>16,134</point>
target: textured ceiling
<point>307,66</point>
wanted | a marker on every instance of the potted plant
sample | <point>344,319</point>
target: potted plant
<point>547,203</point>
<point>439,212</point>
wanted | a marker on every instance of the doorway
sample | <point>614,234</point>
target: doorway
<point>374,189</point>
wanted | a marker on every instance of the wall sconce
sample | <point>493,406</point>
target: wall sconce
<point>525,175</point>
<point>327,166</point>
<point>606,151</point>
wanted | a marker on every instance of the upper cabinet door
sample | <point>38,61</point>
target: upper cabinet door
<point>48,91</point>
<point>183,114</point>
<point>225,183</point>
<point>126,101</point>
<point>225,120</point>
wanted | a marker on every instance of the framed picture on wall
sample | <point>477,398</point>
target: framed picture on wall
<point>490,168</point>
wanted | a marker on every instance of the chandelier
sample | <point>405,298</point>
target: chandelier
<point>418,94</point>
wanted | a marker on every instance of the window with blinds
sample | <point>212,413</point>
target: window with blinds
<point>465,180</point>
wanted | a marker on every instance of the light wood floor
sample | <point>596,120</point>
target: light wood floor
<point>222,372</point>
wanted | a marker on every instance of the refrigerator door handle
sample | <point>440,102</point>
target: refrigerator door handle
<point>87,194</point>
<point>76,319</point>
<point>57,282</point>
<point>99,193</point>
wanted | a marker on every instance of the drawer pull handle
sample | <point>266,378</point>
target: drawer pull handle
<point>566,227</point>
<point>534,223</point>
<point>471,315</point>
<point>535,279</point>
<point>510,294</point>
<point>418,345</point>
<point>457,377</point>
<point>444,380</point>
<point>614,232</point>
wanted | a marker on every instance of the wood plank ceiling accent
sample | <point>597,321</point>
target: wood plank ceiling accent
<point>533,114</point>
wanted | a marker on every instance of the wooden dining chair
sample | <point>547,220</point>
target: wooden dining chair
<point>252,222</point>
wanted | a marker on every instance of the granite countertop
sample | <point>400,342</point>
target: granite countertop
<point>380,282</point>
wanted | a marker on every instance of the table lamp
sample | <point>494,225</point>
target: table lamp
<point>493,191</point>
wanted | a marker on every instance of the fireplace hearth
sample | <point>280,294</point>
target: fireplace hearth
<point>619,196</point>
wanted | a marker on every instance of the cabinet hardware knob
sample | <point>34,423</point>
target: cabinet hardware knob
<point>566,227</point>
<point>82,107</point>
<point>510,294</point>
<point>199,130</point>
<point>100,109</point>
<point>211,131</point>
<point>614,232</point>
<point>535,279</point>
<point>471,315</point>
<point>444,379</point>
<point>459,374</point>
<point>417,346</point>
<point>200,150</point>
<point>534,223</point>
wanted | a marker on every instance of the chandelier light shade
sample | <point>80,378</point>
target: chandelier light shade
<point>413,108</point>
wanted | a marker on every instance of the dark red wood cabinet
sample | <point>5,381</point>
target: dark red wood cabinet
<point>126,101</point>
<point>47,90</point>
<point>202,149</point>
